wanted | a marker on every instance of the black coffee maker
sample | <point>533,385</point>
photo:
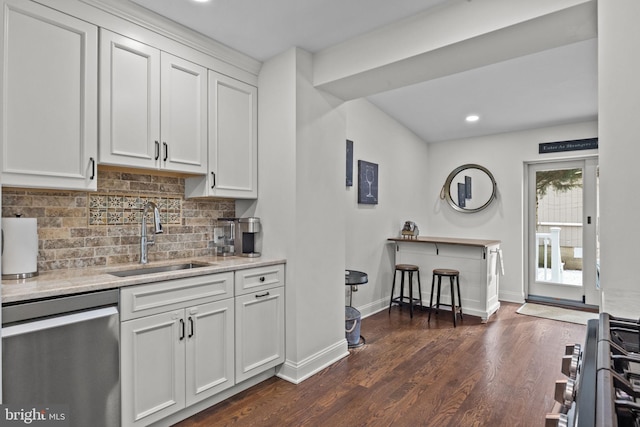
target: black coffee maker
<point>247,237</point>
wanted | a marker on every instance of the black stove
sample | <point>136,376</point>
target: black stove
<point>602,388</point>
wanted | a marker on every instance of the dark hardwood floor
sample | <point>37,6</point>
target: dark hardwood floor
<point>411,373</point>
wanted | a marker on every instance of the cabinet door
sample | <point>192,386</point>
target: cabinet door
<point>152,367</point>
<point>210,349</point>
<point>129,102</point>
<point>183,115</point>
<point>50,98</point>
<point>233,138</point>
<point>259,332</point>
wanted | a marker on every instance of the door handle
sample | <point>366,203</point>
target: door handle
<point>157,150</point>
<point>181,329</point>
<point>166,151</point>
<point>191,327</point>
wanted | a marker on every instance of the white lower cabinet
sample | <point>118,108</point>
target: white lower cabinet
<point>152,368</point>
<point>179,356</point>
<point>259,332</point>
<point>210,350</point>
<point>186,340</point>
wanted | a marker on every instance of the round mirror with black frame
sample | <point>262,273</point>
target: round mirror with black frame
<point>469,188</point>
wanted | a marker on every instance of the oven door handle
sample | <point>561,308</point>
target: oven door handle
<point>54,322</point>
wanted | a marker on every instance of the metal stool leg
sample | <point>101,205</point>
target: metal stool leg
<point>411,294</point>
<point>453,300</point>
<point>393,287</point>
<point>401,288</point>
<point>419,290</point>
<point>459,297</point>
<point>438,298</point>
<point>433,282</point>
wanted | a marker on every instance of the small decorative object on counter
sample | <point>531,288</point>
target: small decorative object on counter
<point>410,230</point>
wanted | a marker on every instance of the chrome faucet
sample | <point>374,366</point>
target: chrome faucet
<point>157,229</point>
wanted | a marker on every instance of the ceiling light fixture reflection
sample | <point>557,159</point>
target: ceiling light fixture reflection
<point>202,1</point>
<point>472,118</point>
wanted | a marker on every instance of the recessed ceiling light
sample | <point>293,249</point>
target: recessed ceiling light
<point>472,118</point>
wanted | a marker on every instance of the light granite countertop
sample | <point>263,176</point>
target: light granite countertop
<point>65,282</point>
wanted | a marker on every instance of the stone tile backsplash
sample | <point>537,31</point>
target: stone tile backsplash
<point>82,229</point>
<point>120,209</point>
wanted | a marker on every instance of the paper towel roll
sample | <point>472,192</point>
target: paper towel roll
<point>20,247</point>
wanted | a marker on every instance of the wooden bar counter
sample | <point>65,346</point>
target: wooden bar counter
<point>476,259</point>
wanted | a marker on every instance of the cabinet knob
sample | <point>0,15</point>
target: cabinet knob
<point>262,279</point>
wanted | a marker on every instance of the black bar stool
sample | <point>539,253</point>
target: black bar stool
<point>409,269</point>
<point>451,274</point>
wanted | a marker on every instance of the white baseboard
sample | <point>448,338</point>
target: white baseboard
<point>296,372</point>
<point>373,307</point>
<point>517,297</point>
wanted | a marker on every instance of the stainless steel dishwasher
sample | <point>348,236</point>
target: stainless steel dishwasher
<point>64,351</point>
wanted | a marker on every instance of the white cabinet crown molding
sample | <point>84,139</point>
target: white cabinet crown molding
<point>161,25</point>
<point>134,21</point>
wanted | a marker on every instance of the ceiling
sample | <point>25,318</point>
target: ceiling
<point>552,87</point>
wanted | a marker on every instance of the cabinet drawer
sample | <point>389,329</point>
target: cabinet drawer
<point>144,300</point>
<point>257,279</point>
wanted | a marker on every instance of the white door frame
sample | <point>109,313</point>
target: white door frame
<point>590,164</point>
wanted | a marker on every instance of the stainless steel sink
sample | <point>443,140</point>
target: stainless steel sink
<point>159,269</point>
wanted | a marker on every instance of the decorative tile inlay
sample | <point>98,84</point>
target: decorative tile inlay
<point>125,209</point>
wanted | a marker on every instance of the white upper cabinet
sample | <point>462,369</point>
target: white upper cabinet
<point>129,102</point>
<point>153,108</point>
<point>233,141</point>
<point>183,115</point>
<point>49,92</point>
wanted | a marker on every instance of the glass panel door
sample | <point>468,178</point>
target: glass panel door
<point>562,200</point>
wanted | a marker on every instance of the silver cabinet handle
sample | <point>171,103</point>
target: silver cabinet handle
<point>59,321</point>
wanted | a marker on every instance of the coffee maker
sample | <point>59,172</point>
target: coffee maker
<point>247,238</point>
<point>224,236</point>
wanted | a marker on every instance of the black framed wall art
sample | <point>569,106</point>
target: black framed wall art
<point>367,183</point>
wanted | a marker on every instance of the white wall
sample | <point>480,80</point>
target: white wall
<point>301,178</point>
<point>401,157</point>
<point>320,160</point>
<point>619,128</point>
<point>504,155</point>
